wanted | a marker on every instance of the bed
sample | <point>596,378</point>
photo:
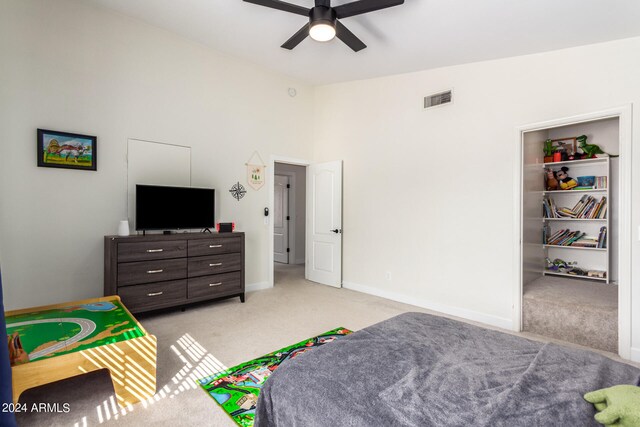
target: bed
<point>421,370</point>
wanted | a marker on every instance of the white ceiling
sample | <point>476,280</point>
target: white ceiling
<point>421,34</point>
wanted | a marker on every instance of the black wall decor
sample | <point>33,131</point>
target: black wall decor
<point>238,191</point>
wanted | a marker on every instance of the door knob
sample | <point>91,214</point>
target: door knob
<point>337,230</point>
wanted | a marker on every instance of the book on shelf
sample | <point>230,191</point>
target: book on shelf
<point>565,213</point>
<point>602,237</point>
<point>586,208</point>
<point>603,212</point>
<point>586,242</point>
<point>548,208</point>
<point>553,237</point>
<point>601,182</point>
<point>566,237</point>
<point>598,208</point>
<point>582,203</point>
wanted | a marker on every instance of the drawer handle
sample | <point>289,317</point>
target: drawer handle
<point>155,294</point>
<point>155,271</point>
<point>217,264</point>
<point>155,250</point>
<point>215,246</point>
<point>215,284</point>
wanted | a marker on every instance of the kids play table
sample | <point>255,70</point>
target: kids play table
<point>55,342</point>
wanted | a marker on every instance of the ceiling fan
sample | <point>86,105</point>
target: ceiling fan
<point>324,22</point>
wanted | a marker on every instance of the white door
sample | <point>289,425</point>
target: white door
<point>280,219</point>
<point>324,223</point>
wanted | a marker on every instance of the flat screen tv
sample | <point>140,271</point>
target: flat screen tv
<point>172,208</point>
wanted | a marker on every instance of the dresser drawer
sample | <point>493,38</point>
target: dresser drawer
<point>142,251</point>
<point>206,265</point>
<point>214,245</point>
<point>210,286</point>
<point>132,273</point>
<point>153,295</point>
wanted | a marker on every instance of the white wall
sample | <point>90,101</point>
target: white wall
<point>151,163</point>
<point>69,66</point>
<point>445,176</point>
<point>297,212</point>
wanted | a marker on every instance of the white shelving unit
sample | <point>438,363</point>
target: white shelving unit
<point>587,258</point>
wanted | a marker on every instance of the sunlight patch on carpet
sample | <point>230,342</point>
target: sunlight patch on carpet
<point>197,362</point>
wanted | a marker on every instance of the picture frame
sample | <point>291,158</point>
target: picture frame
<point>67,150</point>
<point>570,145</point>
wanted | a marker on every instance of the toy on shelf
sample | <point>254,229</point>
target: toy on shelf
<point>551,181</point>
<point>597,273</point>
<point>590,150</point>
<point>586,181</point>
<point>564,180</point>
<point>548,150</point>
<point>562,152</point>
<point>560,265</point>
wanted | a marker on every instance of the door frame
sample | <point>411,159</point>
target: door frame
<point>291,224</point>
<point>624,115</point>
<point>271,172</point>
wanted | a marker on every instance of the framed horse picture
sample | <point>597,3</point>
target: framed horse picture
<point>67,150</point>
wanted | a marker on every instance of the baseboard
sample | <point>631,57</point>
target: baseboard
<point>635,354</point>
<point>475,316</point>
<point>259,286</point>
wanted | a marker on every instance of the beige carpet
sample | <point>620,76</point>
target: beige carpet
<point>195,343</point>
<point>579,311</point>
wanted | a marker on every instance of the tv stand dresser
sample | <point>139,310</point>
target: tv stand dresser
<point>161,271</point>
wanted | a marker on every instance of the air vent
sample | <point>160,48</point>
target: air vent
<point>438,99</point>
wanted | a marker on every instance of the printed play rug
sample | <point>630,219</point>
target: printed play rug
<point>236,390</point>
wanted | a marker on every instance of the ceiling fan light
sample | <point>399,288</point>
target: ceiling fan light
<point>322,32</point>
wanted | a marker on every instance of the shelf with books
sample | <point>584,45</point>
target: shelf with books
<point>574,239</point>
<point>587,207</point>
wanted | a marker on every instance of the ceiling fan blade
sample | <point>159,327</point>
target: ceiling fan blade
<point>363,6</point>
<point>349,38</point>
<point>297,38</point>
<point>280,5</point>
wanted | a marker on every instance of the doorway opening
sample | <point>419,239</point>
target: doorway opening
<point>574,272</point>
<point>320,256</point>
<point>289,222</point>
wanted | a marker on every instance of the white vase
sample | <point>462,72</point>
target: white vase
<point>123,228</point>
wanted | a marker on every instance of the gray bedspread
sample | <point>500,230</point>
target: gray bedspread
<point>422,370</point>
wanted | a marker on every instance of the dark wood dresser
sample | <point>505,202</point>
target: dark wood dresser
<point>159,271</point>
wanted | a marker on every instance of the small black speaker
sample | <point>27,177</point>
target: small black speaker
<point>225,227</point>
